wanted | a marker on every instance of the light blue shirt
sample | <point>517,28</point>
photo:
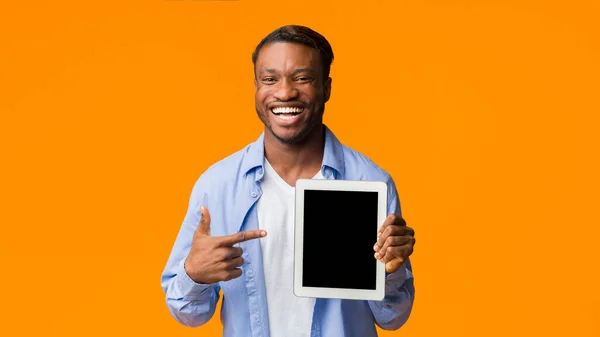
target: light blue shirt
<point>229,190</point>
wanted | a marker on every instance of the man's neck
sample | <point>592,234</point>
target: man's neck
<point>296,161</point>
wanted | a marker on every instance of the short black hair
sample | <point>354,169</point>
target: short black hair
<point>302,35</point>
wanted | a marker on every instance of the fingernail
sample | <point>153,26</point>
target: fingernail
<point>263,233</point>
<point>377,256</point>
<point>375,247</point>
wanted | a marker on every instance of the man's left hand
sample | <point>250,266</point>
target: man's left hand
<point>395,244</point>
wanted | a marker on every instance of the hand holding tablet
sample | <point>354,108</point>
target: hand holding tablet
<point>395,243</point>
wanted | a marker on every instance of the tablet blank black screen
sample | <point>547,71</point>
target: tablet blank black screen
<point>340,229</point>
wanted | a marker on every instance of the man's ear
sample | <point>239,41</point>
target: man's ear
<point>255,84</point>
<point>327,89</point>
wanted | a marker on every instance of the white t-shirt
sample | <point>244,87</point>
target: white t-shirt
<point>288,315</point>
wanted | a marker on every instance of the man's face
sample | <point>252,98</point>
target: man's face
<point>290,90</point>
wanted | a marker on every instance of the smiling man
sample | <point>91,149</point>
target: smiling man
<point>237,235</point>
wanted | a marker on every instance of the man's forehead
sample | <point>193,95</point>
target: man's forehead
<point>274,57</point>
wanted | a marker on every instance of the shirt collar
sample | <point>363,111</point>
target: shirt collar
<point>333,154</point>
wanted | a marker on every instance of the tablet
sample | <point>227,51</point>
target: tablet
<point>336,225</point>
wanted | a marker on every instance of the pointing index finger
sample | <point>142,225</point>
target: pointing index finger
<point>243,236</point>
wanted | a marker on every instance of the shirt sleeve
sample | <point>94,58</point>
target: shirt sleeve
<point>393,311</point>
<point>191,304</point>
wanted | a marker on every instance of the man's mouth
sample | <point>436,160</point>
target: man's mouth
<point>287,112</point>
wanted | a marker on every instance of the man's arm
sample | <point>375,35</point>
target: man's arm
<point>393,311</point>
<point>191,304</point>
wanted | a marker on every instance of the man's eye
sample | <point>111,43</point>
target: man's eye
<point>304,79</point>
<point>269,79</point>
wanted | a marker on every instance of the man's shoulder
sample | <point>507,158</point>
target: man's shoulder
<point>229,164</point>
<point>226,170</point>
<point>359,166</point>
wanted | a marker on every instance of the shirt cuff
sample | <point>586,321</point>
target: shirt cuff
<point>187,288</point>
<point>399,276</point>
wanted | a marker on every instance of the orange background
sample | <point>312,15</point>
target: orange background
<point>484,112</point>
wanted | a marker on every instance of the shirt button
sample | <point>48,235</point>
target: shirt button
<point>253,194</point>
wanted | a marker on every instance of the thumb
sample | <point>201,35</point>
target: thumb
<point>204,227</point>
<point>394,265</point>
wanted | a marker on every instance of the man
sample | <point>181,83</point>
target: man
<point>237,235</point>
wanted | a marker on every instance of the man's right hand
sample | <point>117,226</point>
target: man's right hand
<point>214,259</point>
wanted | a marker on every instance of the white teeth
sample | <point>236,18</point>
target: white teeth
<point>287,110</point>
<point>286,117</point>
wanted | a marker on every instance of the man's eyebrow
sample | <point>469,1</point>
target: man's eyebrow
<point>268,70</point>
<point>303,70</point>
<point>296,71</point>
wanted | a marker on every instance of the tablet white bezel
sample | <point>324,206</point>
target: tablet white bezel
<point>337,185</point>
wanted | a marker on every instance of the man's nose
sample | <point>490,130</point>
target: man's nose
<point>286,91</point>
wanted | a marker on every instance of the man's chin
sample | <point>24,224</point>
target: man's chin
<point>289,137</point>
